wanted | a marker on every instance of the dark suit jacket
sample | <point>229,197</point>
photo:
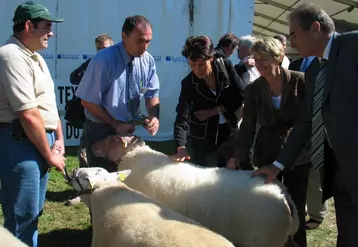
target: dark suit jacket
<point>219,52</point>
<point>77,74</point>
<point>296,65</point>
<point>275,123</point>
<point>339,110</point>
<point>195,95</point>
<point>240,69</point>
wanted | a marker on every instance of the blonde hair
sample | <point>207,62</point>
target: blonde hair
<point>100,39</point>
<point>269,47</point>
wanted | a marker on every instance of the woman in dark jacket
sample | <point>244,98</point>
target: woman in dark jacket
<point>273,101</point>
<point>209,105</point>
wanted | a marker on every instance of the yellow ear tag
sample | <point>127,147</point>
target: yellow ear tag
<point>91,185</point>
<point>122,176</point>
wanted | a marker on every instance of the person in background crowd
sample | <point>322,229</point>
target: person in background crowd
<point>31,138</point>
<point>227,45</point>
<point>315,208</point>
<point>331,115</point>
<point>210,100</point>
<point>115,81</point>
<point>246,69</point>
<point>101,42</point>
<point>285,62</point>
<point>273,101</point>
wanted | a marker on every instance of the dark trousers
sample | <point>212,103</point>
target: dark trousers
<point>203,150</point>
<point>346,205</point>
<point>95,132</point>
<point>345,196</point>
<point>296,181</point>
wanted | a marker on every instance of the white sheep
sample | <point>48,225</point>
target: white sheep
<point>7,239</point>
<point>124,217</point>
<point>242,209</point>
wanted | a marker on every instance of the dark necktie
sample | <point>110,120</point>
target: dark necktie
<point>133,93</point>
<point>318,128</point>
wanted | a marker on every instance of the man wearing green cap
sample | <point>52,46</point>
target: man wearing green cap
<point>31,138</point>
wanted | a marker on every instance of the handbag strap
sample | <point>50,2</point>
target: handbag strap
<point>221,63</point>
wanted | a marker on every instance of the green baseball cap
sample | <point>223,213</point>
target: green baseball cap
<point>30,10</point>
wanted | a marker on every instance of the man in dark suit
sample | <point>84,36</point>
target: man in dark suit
<point>331,114</point>
<point>227,45</point>
<point>316,210</point>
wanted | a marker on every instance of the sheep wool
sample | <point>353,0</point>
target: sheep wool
<point>244,210</point>
<point>7,239</point>
<point>127,218</point>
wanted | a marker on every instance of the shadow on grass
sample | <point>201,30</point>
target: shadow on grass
<point>66,237</point>
<point>60,196</point>
<point>57,196</point>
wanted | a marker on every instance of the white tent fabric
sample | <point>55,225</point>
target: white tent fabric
<point>73,42</point>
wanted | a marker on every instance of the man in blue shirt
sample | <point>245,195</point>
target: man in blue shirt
<point>115,80</point>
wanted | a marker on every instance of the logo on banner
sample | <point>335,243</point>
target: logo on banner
<point>87,56</point>
<point>157,58</point>
<point>178,59</point>
<point>68,56</point>
<point>47,55</point>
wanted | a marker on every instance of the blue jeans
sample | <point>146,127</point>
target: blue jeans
<point>24,176</point>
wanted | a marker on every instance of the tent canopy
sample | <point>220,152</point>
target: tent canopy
<point>271,16</point>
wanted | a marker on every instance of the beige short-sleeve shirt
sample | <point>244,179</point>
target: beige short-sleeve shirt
<point>25,83</point>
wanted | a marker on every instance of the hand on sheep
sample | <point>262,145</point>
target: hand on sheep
<point>270,171</point>
<point>152,125</point>
<point>181,155</point>
<point>233,164</point>
<point>205,114</point>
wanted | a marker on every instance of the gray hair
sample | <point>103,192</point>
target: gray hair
<point>246,41</point>
<point>282,38</point>
<point>308,13</point>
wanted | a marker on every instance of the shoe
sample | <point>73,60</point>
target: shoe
<point>312,224</point>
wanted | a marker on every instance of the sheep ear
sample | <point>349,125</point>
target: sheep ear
<point>92,184</point>
<point>124,141</point>
<point>122,175</point>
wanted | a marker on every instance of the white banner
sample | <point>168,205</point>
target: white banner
<point>72,135</point>
<point>73,42</point>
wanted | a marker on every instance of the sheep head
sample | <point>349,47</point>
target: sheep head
<point>114,147</point>
<point>86,180</point>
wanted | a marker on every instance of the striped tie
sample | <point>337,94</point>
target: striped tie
<point>318,129</point>
<point>133,93</point>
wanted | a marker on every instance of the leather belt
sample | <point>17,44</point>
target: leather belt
<point>5,125</point>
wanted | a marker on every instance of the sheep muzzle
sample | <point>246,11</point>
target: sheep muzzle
<point>114,147</point>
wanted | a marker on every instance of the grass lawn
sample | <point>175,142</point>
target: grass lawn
<point>69,226</point>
